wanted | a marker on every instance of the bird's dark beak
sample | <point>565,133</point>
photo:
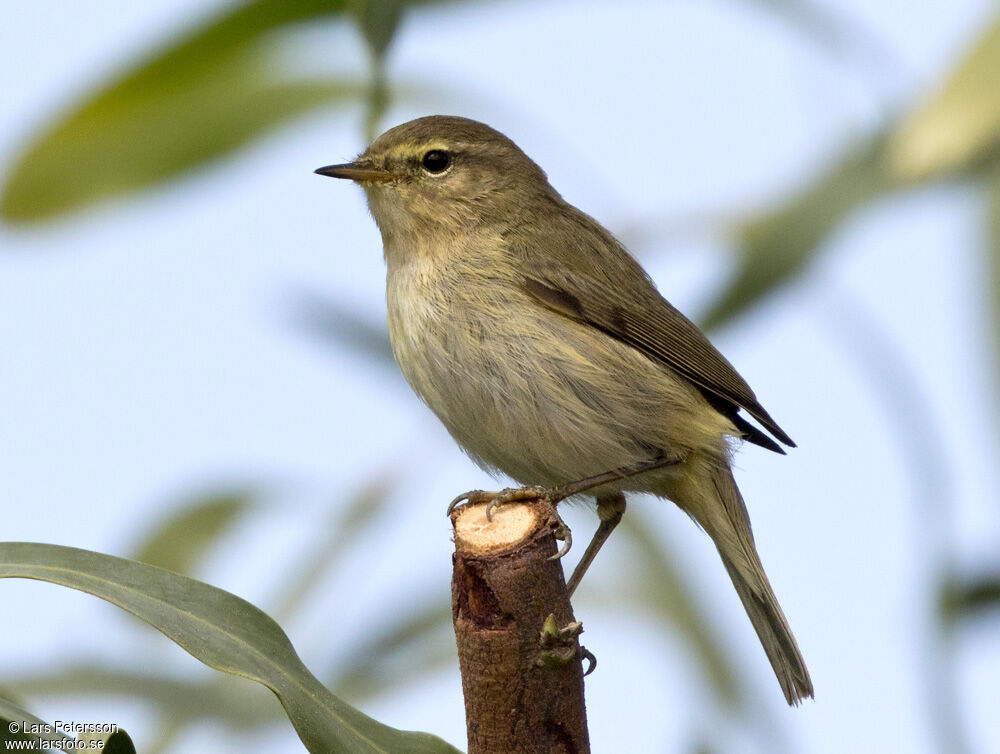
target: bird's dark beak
<point>357,171</point>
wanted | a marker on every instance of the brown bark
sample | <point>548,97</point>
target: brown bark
<point>520,696</point>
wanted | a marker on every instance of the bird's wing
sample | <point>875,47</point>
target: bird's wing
<point>652,325</point>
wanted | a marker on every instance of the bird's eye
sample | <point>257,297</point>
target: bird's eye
<point>436,161</point>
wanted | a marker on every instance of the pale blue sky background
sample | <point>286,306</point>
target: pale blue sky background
<point>148,351</point>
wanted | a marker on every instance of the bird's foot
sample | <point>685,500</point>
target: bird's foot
<point>493,499</point>
<point>517,495</point>
<point>559,646</point>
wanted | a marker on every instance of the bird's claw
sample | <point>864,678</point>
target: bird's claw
<point>563,534</point>
<point>465,496</point>
<point>493,499</point>
<point>591,659</point>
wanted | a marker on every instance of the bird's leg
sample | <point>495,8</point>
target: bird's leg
<point>563,491</point>
<point>610,508</point>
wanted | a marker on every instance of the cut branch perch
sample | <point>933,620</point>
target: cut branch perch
<point>523,692</point>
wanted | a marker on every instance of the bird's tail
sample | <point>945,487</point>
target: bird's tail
<point>729,526</point>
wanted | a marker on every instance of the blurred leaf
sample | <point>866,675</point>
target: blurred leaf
<point>397,671</point>
<point>378,21</point>
<point>11,714</point>
<point>223,699</point>
<point>347,523</point>
<point>180,542</point>
<point>9,697</point>
<point>404,646</point>
<point>398,652</point>
<point>330,320</point>
<point>964,599</point>
<point>777,247</point>
<point>662,588</point>
<point>202,97</point>
<point>115,147</point>
<point>910,413</point>
<point>224,632</point>
<point>960,123</point>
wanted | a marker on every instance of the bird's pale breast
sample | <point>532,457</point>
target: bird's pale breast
<point>522,388</point>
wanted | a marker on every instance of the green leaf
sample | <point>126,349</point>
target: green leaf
<point>180,542</point>
<point>223,631</point>
<point>779,246</point>
<point>960,123</point>
<point>204,96</point>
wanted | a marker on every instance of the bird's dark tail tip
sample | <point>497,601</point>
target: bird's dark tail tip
<point>775,635</point>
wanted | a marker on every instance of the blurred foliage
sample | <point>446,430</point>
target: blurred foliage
<point>208,94</point>
<point>378,21</point>
<point>180,542</point>
<point>776,248</point>
<point>200,98</point>
<point>398,652</point>
<point>969,598</point>
<point>959,125</point>
<point>203,96</point>
<point>228,700</point>
<point>224,632</point>
<point>660,587</point>
<point>346,524</point>
<point>220,86</point>
<point>950,136</point>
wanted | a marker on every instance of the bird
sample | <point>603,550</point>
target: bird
<point>548,353</point>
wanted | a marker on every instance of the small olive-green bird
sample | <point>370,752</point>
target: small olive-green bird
<point>548,353</point>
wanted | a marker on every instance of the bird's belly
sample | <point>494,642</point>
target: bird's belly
<point>535,395</point>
